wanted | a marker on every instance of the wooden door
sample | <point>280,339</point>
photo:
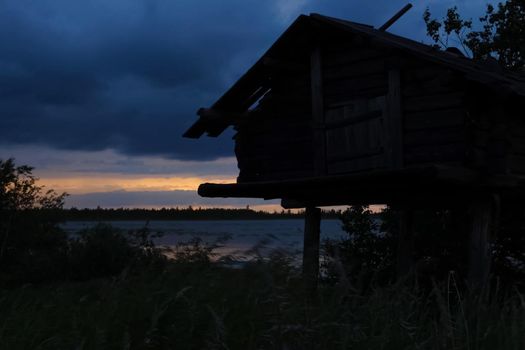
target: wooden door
<point>356,135</point>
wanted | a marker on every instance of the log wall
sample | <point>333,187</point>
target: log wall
<point>434,115</point>
<point>440,118</point>
<point>277,141</point>
<point>509,139</point>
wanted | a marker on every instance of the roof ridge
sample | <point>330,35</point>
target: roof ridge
<point>318,15</point>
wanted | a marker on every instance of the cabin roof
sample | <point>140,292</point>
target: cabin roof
<point>254,83</point>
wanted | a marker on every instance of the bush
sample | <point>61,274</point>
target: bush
<point>368,250</point>
<point>34,248</point>
<point>440,246</point>
<point>104,250</point>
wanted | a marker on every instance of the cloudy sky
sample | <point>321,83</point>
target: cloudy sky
<point>96,94</point>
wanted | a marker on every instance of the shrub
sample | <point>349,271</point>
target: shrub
<point>367,251</point>
<point>104,250</point>
<point>440,245</point>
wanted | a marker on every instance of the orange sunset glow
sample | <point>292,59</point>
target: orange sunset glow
<point>107,183</point>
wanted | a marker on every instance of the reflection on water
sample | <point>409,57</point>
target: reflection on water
<point>240,238</point>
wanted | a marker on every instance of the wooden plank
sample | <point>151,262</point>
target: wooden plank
<point>357,165</point>
<point>354,131</point>
<point>421,71</point>
<point>434,136</point>
<point>269,164</point>
<point>351,55</point>
<point>409,177</point>
<point>344,95</point>
<point>394,120</point>
<point>355,140</point>
<point>435,119</point>
<point>312,230</point>
<point>433,102</point>
<point>353,119</point>
<point>357,105</point>
<point>353,108</point>
<point>347,156</point>
<point>435,153</point>
<point>356,85</point>
<point>318,111</point>
<point>250,177</point>
<point>253,98</point>
<point>358,69</point>
<point>430,82</point>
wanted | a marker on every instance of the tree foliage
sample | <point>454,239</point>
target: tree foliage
<point>31,241</point>
<point>19,191</point>
<point>500,33</point>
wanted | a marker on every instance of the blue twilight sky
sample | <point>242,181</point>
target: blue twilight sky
<point>96,94</point>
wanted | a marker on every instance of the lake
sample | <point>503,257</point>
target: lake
<point>241,235</point>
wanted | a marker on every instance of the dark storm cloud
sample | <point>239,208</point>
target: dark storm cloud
<point>129,75</point>
<point>126,75</point>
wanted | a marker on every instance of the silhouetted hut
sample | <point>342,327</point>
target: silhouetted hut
<point>337,113</point>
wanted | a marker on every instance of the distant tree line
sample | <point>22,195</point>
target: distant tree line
<point>187,213</point>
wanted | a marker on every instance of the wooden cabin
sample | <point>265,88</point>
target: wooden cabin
<point>337,113</point>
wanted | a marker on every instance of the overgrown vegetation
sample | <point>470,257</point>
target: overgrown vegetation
<point>105,288</point>
<point>194,304</point>
<point>31,243</point>
<point>34,249</point>
<point>368,253</point>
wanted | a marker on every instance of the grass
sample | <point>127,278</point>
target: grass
<point>198,305</point>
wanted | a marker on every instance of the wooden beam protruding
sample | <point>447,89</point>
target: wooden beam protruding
<point>213,115</point>
<point>394,19</point>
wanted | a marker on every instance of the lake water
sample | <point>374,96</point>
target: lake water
<point>242,236</point>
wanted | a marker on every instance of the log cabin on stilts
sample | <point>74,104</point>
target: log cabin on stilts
<point>341,113</point>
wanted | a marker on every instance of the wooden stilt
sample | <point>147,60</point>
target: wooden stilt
<point>405,244</point>
<point>483,218</point>
<point>312,229</point>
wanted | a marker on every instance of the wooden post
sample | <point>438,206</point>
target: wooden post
<point>316,77</point>
<point>394,120</point>
<point>483,218</point>
<point>405,244</point>
<point>312,229</point>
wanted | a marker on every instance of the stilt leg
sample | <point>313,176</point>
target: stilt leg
<point>312,229</point>
<point>483,217</point>
<point>405,245</point>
